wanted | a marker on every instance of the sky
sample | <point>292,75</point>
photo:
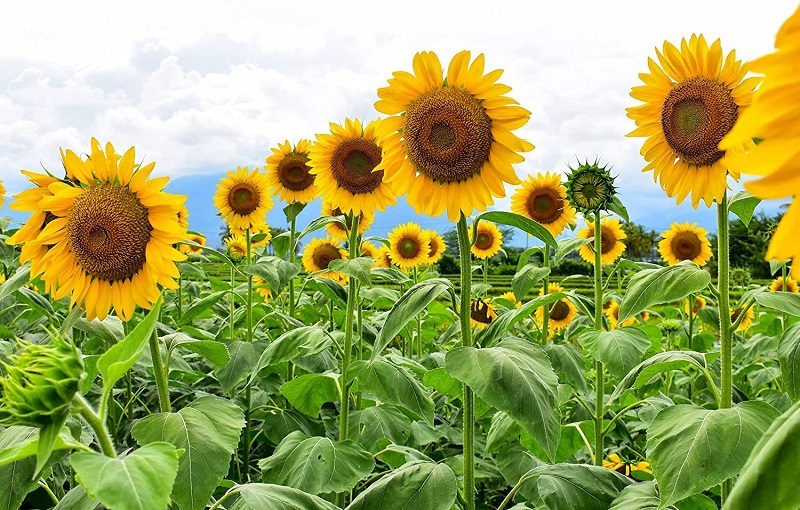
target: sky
<point>203,87</point>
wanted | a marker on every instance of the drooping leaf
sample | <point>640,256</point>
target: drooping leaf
<point>376,425</point>
<point>213,351</point>
<point>620,349</point>
<point>504,322</point>
<point>77,499</point>
<point>16,281</point>
<point>243,358</point>
<point>787,302</point>
<point>665,285</point>
<point>639,496</point>
<point>295,343</point>
<point>266,496</point>
<point>573,486</point>
<point>516,220</point>
<point>660,362</point>
<point>358,268</point>
<point>395,385</point>
<point>417,484</point>
<point>316,464</point>
<point>567,246</point>
<point>308,392</point>
<point>524,280</point>
<point>208,431</point>
<point>273,270</point>
<point>789,357</point>
<point>120,357</point>
<point>201,305</point>
<point>743,204</point>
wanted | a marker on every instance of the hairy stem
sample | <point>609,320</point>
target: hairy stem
<point>725,333</point>
<point>599,407</point>
<point>97,424</point>
<point>466,341</point>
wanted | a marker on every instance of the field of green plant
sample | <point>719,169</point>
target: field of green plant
<point>320,368</point>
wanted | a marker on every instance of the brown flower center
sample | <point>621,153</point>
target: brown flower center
<point>108,230</point>
<point>244,198</point>
<point>293,172</point>
<point>560,310</point>
<point>448,134</point>
<point>607,240</point>
<point>545,205</point>
<point>408,247</point>
<point>434,247</point>
<point>695,116</point>
<point>484,241</point>
<point>324,253</point>
<point>735,314</point>
<point>352,165</point>
<point>685,245</point>
<point>480,311</point>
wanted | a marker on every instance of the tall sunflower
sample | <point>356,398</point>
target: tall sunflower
<point>318,255</point>
<point>237,246</point>
<point>193,250</point>
<point>111,235</point>
<point>437,246</point>
<point>243,198</point>
<point>611,245</point>
<point>482,313</point>
<point>685,242</point>
<point>544,199</point>
<point>692,99</point>
<point>408,247</point>
<point>449,143</point>
<point>562,312</point>
<point>348,164</point>
<point>777,285</point>
<point>488,240</point>
<point>336,230</point>
<point>289,174</point>
<point>772,119</point>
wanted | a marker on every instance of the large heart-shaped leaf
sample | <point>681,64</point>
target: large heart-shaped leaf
<point>376,426</point>
<point>302,341</point>
<point>266,496</point>
<point>273,270</point>
<point>526,278</point>
<point>661,362</point>
<point>417,484</point>
<point>395,385</point>
<point>308,392</point>
<point>620,350</point>
<point>789,357</point>
<point>573,486</point>
<point>786,302</point>
<point>664,285</point>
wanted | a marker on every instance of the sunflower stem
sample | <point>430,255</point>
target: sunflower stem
<point>360,332</point>
<point>249,338</point>
<point>292,304</point>
<point>419,321</point>
<point>97,424</point>
<point>231,303</point>
<point>466,341</point>
<point>725,333</point>
<point>159,373</point>
<point>486,271</point>
<point>180,295</point>
<point>691,321</point>
<point>599,405</point>
<point>546,290</point>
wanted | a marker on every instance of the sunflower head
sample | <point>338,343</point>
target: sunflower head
<point>338,231</point>
<point>615,463</point>
<point>562,312</point>
<point>481,313</point>
<point>243,198</point>
<point>289,174</point>
<point>685,242</point>
<point>383,257</point>
<point>262,288</point>
<point>437,246</point>
<point>237,246</point>
<point>408,247</point>
<point>749,315</point>
<point>320,253</point>
<point>612,313</point>
<point>369,250</point>
<point>669,326</point>
<point>40,382</point>
<point>544,199</point>
<point>740,276</point>
<point>692,98</point>
<point>590,187</point>
<point>611,245</point>
<point>194,250</point>
<point>449,142</point>
<point>260,233</point>
<point>779,285</point>
<point>488,240</point>
<point>699,302</point>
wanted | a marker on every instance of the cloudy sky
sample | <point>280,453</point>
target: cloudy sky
<point>206,86</point>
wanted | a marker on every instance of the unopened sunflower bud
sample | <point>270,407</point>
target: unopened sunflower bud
<point>668,326</point>
<point>40,383</point>
<point>590,187</point>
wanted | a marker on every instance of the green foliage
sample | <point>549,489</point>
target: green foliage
<point>417,484</point>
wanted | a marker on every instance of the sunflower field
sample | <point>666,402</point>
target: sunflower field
<point>321,368</point>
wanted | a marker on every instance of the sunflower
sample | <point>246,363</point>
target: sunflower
<point>772,119</point>
<point>289,174</point>
<point>510,297</point>
<point>778,286</point>
<point>544,199</point>
<point>237,246</point>
<point>336,230</point>
<point>183,217</point>
<point>111,235</point>
<point>243,198</point>
<point>691,101</point>
<point>488,240</point>
<point>615,463</point>
<point>562,312</point>
<point>318,255</point>
<point>612,313</point>
<point>383,257</point>
<point>685,242</point>
<point>699,302</point>
<point>348,164</point>
<point>481,313</point>
<point>193,250</point>
<point>2,194</point>
<point>408,247</point>
<point>449,142</point>
<point>262,288</point>
<point>611,245</point>
<point>437,246</point>
<point>749,315</point>
<point>369,250</point>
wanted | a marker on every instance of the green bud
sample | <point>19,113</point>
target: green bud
<point>40,383</point>
<point>590,187</point>
<point>668,326</point>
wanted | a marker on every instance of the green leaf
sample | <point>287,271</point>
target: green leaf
<point>302,341</point>
<point>208,431</point>
<point>293,210</point>
<point>264,496</point>
<point>279,423</point>
<point>620,349</point>
<point>567,246</point>
<point>417,484</point>
<point>316,464</point>
<point>407,307</point>
<point>20,278</point>
<point>141,480</point>
<point>308,392</point>
<point>516,220</point>
<point>318,224</point>
<point>390,274</point>
<point>769,478</point>
<point>789,357</point>
<point>200,306</point>
<point>49,435</point>
<point>516,378</point>
<point>395,385</point>
<point>568,363</point>
<point>782,301</point>
<point>619,209</point>
<point>358,268</point>
<point>656,364</point>
<point>504,322</point>
<point>639,496</point>
<point>375,426</point>
<point>502,430</point>
<point>526,278</point>
<point>214,352</point>
<point>77,499</point>
<point>693,449</point>
<point>280,243</point>
<point>120,358</point>
<point>743,204</point>
<point>658,286</point>
<point>243,359</point>
<point>329,288</point>
<point>110,329</point>
<point>273,270</point>
<point>578,486</point>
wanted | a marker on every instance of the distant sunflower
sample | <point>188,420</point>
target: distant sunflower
<point>289,174</point>
<point>777,285</point>
<point>611,245</point>
<point>320,253</point>
<point>243,198</point>
<point>408,247</point>
<point>383,258</point>
<point>336,230</point>
<point>488,240</point>
<point>482,313</point>
<point>511,297</point>
<point>685,242</point>
<point>183,216</point>
<point>262,288</point>
<point>2,194</point>
<point>699,302</point>
<point>544,199</point>
<point>348,164</point>
<point>613,317</point>
<point>615,463</point>
<point>193,250</point>
<point>369,250</point>
<point>437,246</point>
<point>691,101</point>
<point>772,119</point>
<point>237,246</point>
<point>111,235</point>
<point>748,317</point>
<point>562,312</point>
<point>449,143</point>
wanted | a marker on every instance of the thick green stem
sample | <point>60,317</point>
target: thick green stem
<point>292,303</point>
<point>360,332</point>
<point>180,296</point>
<point>546,309</point>
<point>97,424</point>
<point>161,376</point>
<point>466,341</point>
<point>352,299</point>
<point>247,394</point>
<point>725,333</point>
<point>691,322</point>
<point>486,271</point>
<point>231,304</point>
<point>419,322</point>
<point>599,405</point>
